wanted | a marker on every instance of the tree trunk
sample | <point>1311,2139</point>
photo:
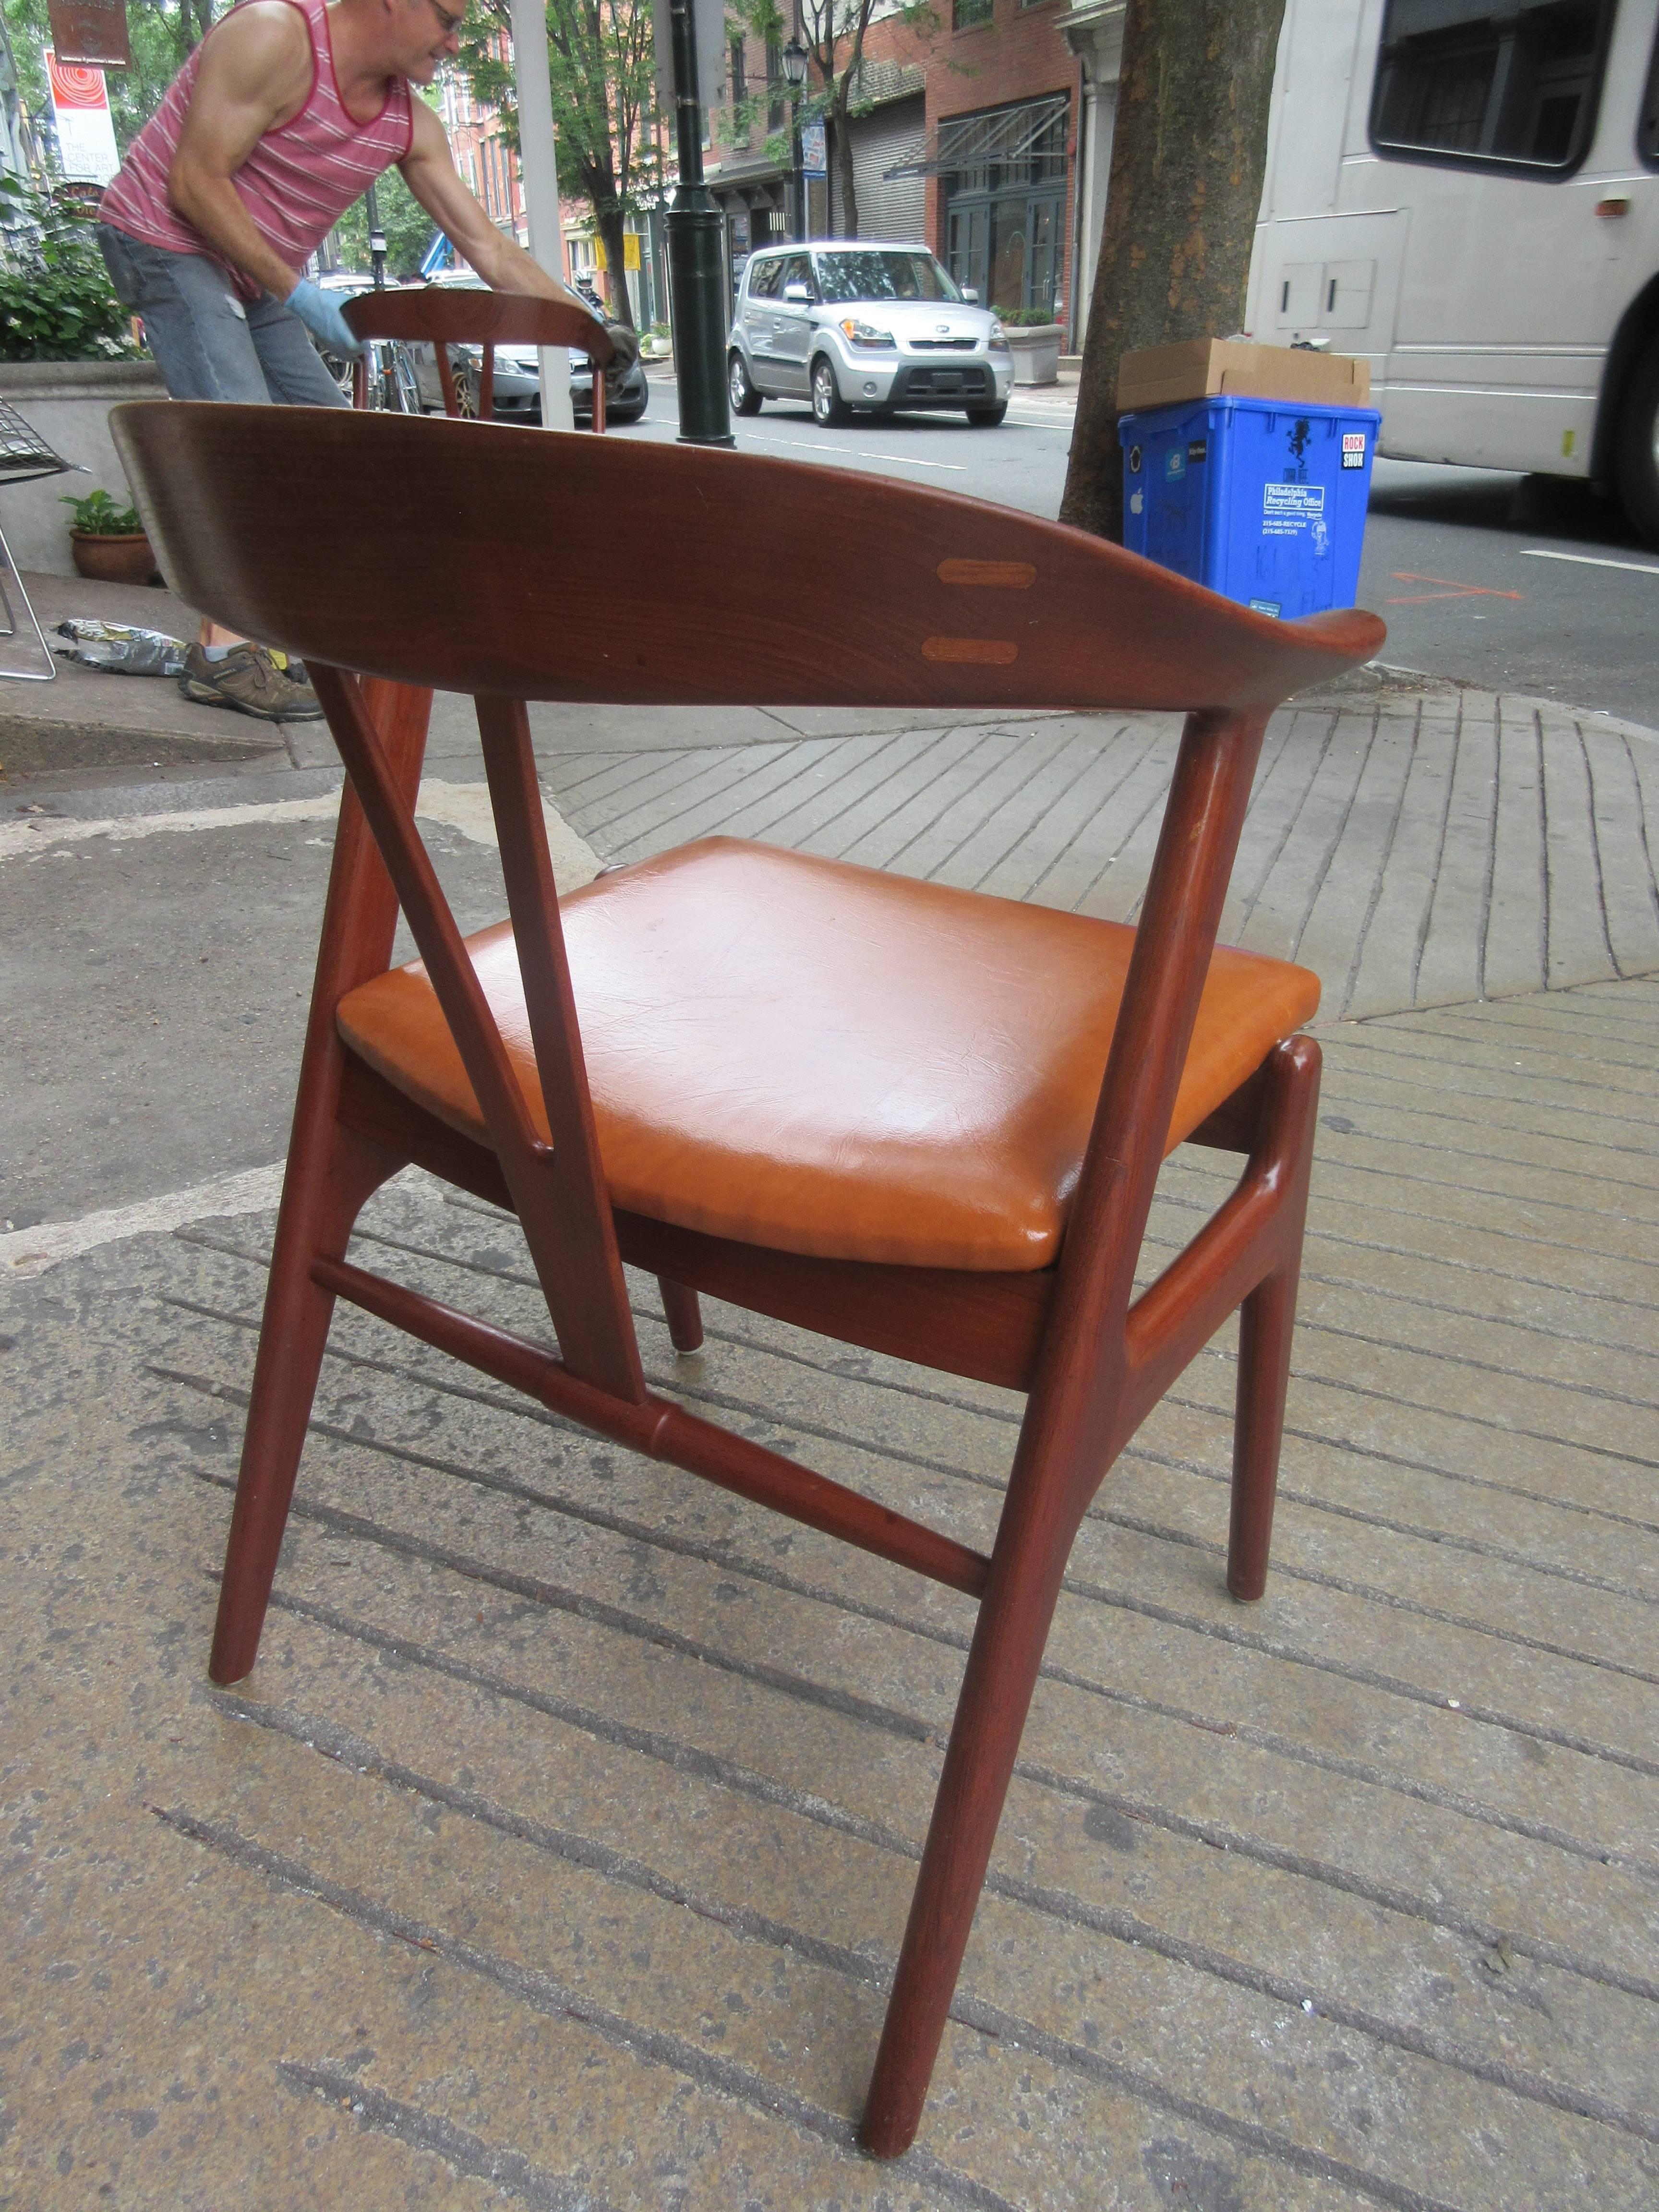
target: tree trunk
<point>1188,157</point>
<point>841,137</point>
<point>608,220</point>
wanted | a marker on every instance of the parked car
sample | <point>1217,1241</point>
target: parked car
<point>518,385</point>
<point>858,326</point>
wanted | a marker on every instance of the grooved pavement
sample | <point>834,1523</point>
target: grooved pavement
<point>1419,847</point>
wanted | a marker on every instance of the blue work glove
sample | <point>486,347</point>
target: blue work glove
<point>322,318</point>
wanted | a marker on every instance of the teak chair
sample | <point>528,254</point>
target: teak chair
<point>920,1120</point>
<point>437,315</point>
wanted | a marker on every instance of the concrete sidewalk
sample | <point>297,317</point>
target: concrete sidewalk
<point>557,1851</point>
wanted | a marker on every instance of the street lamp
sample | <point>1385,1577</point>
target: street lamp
<point>795,76</point>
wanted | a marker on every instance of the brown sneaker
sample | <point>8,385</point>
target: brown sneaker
<point>249,679</point>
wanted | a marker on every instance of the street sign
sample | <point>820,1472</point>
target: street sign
<point>86,134</point>
<point>91,32</point>
<point>709,17</point>
<point>814,156</point>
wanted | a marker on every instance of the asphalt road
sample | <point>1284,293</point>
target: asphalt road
<point>1519,583</point>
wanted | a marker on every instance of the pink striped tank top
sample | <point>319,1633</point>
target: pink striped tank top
<point>297,182</point>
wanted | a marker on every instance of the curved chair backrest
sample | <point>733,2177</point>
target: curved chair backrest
<point>445,315</point>
<point>785,583</point>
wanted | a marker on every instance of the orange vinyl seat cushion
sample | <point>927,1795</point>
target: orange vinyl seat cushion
<point>825,1060</point>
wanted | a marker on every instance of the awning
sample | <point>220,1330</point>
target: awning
<point>972,142</point>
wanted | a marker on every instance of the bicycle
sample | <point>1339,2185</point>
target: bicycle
<point>389,368</point>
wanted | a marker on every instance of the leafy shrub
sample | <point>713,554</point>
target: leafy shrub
<point>98,515</point>
<point>56,300</point>
<point>1023,318</point>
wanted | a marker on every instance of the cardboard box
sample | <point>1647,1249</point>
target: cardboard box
<point>1163,376</point>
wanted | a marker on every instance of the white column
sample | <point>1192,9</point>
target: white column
<point>539,171</point>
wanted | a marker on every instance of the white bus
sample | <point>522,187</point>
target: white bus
<point>1466,193</point>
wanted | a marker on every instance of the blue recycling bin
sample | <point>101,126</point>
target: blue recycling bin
<point>1261,499</point>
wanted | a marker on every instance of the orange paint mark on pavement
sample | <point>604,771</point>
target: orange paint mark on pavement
<point>1452,590</point>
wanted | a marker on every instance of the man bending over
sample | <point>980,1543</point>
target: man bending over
<point>282,116</point>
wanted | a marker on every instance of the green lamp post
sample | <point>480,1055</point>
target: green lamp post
<point>697,273</point>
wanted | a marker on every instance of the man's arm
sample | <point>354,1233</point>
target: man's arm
<point>255,73</point>
<point>430,172</point>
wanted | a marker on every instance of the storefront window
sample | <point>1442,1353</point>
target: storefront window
<point>1003,176</point>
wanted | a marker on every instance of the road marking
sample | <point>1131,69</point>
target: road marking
<point>1590,561</point>
<point>1453,590</point>
<point>31,1251</point>
<point>462,807</point>
<point>817,445</point>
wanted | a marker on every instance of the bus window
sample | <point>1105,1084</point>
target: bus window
<point>1503,88</point>
<point>1647,123</point>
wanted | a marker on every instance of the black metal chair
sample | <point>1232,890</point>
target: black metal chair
<point>24,455</point>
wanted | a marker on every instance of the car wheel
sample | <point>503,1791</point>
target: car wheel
<point>828,408</point>
<point>987,418</point>
<point>466,394</point>
<point>1637,461</point>
<point>746,400</point>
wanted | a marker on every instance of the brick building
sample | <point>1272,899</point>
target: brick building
<point>482,156</point>
<point>989,138</point>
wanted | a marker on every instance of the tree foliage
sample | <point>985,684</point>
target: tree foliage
<point>1187,158</point>
<point>601,59</point>
<point>56,300</point>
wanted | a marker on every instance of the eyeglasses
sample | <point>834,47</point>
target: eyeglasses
<point>448,24</point>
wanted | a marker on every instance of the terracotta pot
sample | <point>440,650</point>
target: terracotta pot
<point>124,560</point>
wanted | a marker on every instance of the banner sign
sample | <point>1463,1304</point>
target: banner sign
<point>86,134</point>
<point>91,32</point>
<point>814,158</point>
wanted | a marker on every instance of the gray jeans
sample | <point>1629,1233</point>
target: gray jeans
<point>208,344</point>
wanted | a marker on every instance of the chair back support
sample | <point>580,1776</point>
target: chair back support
<point>786,583</point>
<point>445,316</point>
<point>736,579</point>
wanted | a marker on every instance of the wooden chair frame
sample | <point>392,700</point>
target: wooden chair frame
<point>1093,1357</point>
<point>444,317</point>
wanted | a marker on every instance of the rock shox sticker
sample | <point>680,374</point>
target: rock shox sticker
<point>1353,449</point>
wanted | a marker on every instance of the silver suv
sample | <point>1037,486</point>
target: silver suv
<point>875,328</point>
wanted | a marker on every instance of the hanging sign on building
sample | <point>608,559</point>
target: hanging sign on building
<point>814,157</point>
<point>86,134</point>
<point>91,32</point>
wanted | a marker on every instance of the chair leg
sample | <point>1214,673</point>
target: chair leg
<point>1267,1324</point>
<point>1026,1571</point>
<point>14,628</point>
<point>320,1204</point>
<point>683,1314</point>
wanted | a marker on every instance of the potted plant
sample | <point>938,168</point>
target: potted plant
<point>1034,341</point>
<point>108,541</point>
